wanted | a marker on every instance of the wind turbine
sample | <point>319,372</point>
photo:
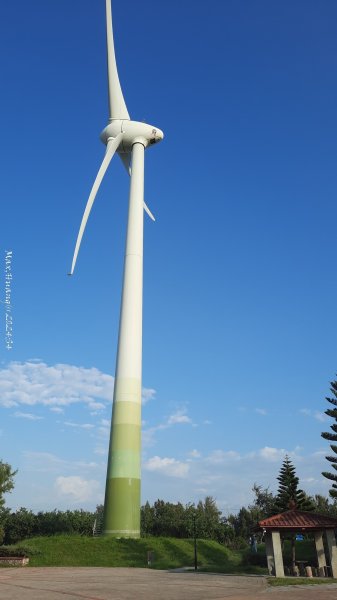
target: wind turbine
<point>129,139</point>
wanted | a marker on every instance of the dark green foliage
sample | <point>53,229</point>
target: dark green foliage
<point>264,501</point>
<point>258,558</point>
<point>17,551</point>
<point>332,437</point>
<point>243,522</point>
<point>24,523</point>
<point>323,506</point>
<point>6,481</point>
<point>289,496</point>
<point>177,520</point>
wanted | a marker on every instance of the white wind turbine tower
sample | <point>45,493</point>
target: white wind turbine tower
<point>129,139</point>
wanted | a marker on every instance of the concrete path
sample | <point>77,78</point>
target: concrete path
<point>139,584</point>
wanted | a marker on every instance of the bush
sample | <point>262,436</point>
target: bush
<point>12,551</point>
<point>24,524</point>
<point>238,543</point>
<point>257,559</point>
<point>21,551</point>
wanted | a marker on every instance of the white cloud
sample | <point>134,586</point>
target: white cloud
<point>194,454</point>
<point>261,411</point>
<point>77,488</point>
<point>57,409</point>
<point>273,454</point>
<point>28,416</point>
<point>167,466</point>
<point>148,394</point>
<point>101,450</point>
<point>47,462</point>
<point>36,383</point>
<point>178,417</point>
<point>97,406</point>
<point>104,429</point>
<point>220,456</point>
<point>79,425</point>
<point>320,416</point>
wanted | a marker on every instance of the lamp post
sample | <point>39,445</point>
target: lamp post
<point>195,541</point>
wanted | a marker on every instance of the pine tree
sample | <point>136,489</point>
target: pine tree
<point>332,437</point>
<point>288,495</point>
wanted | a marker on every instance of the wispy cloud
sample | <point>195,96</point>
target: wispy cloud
<point>79,425</point>
<point>319,416</point>
<point>28,416</point>
<point>48,462</point>
<point>57,409</point>
<point>178,418</point>
<point>148,394</point>
<point>261,411</point>
<point>315,414</point>
<point>194,454</point>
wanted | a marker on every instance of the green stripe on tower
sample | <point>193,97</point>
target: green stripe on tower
<point>122,495</point>
<point>122,492</point>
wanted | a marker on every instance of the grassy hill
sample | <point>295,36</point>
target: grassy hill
<point>169,553</point>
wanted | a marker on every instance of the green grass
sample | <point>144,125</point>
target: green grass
<point>169,553</point>
<point>278,581</point>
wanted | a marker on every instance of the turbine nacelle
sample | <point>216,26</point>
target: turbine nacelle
<point>132,132</point>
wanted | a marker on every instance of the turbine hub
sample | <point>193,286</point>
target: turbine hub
<point>133,132</point>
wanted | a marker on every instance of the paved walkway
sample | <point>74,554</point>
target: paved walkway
<point>139,584</point>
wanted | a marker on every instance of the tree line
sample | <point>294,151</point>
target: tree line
<point>167,519</point>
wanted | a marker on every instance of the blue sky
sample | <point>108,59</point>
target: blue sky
<point>240,287</point>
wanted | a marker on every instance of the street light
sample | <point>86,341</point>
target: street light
<point>195,541</point>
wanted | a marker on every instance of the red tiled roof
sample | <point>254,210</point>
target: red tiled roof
<point>298,519</point>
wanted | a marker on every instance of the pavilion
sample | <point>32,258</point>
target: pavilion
<point>300,522</point>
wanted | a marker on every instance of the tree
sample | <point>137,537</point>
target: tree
<point>6,481</point>
<point>332,437</point>
<point>208,518</point>
<point>324,507</point>
<point>264,501</point>
<point>289,496</point>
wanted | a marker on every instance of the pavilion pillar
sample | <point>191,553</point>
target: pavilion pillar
<point>278,558</point>
<point>332,550</point>
<point>269,553</point>
<point>274,553</point>
<point>321,560</point>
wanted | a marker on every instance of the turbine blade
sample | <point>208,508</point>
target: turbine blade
<point>146,208</point>
<point>126,160</point>
<point>112,146</point>
<point>117,106</point>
